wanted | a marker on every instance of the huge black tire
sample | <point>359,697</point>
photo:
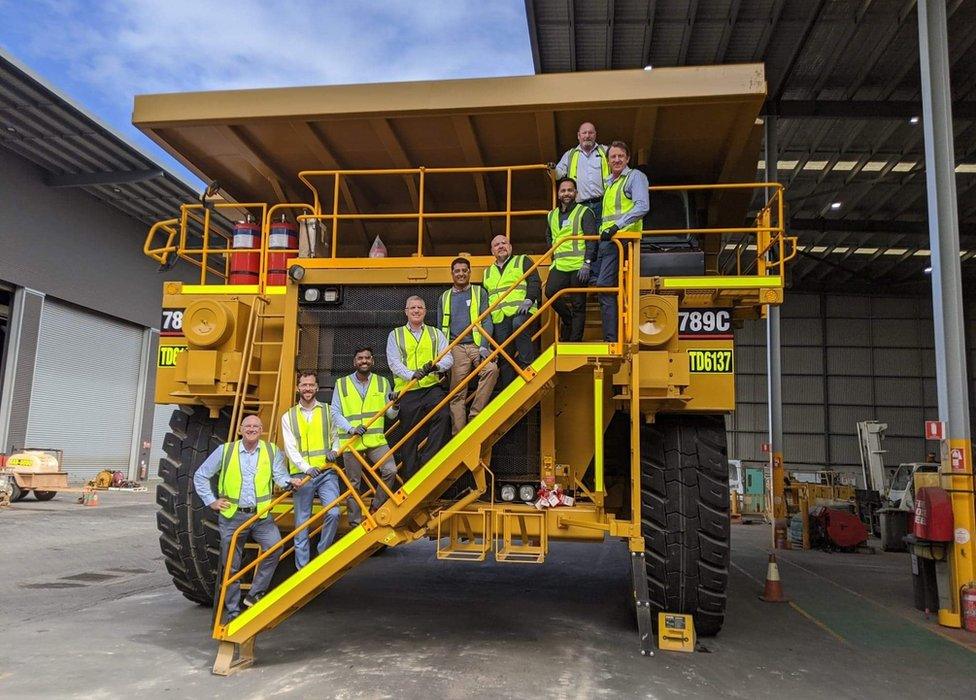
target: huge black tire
<point>188,536</point>
<point>44,495</point>
<point>685,517</point>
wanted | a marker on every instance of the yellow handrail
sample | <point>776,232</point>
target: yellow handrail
<point>770,234</point>
<point>770,231</point>
<point>619,290</point>
<point>421,214</point>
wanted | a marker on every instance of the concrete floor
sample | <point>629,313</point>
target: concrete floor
<point>89,611</point>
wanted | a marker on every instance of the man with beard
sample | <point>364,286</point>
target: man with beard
<point>355,400</point>
<point>572,258</point>
<point>460,306</point>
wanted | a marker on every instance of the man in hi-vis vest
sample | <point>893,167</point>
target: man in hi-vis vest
<point>517,305</point>
<point>312,448</point>
<point>410,353</point>
<point>459,307</point>
<point>624,205</point>
<point>588,165</point>
<point>358,397</point>
<point>572,258</point>
<point>247,468</point>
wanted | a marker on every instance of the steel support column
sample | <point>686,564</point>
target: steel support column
<point>773,366</point>
<point>950,350</point>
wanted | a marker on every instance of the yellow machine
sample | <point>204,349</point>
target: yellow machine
<point>633,431</point>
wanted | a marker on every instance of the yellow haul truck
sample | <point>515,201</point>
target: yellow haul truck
<point>630,433</point>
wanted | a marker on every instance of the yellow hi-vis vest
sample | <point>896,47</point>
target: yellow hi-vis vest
<point>616,203</point>
<point>574,156</point>
<point>568,255</point>
<point>415,354</point>
<point>314,436</point>
<point>229,484</point>
<point>474,312</point>
<point>496,283</point>
<point>358,409</point>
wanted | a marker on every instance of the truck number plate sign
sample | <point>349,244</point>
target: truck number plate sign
<point>714,324</point>
<point>171,324</point>
<point>710,361</point>
<point>168,354</point>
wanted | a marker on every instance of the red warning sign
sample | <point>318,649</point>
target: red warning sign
<point>957,457</point>
<point>934,430</point>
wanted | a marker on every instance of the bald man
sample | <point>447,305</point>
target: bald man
<point>589,165</point>
<point>514,310</point>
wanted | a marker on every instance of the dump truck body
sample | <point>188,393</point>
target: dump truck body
<point>627,436</point>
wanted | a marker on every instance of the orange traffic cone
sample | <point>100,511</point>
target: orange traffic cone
<point>773,592</point>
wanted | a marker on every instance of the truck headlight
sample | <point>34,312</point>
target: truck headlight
<point>507,493</point>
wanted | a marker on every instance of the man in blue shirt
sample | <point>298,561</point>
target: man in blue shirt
<point>625,202</point>
<point>246,468</point>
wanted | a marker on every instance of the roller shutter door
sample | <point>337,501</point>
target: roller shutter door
<point>86,389</point>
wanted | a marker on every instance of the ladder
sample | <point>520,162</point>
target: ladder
<point>260,338</point>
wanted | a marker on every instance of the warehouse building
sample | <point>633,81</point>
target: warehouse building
<point>79,302</point>
<point>857,332</point>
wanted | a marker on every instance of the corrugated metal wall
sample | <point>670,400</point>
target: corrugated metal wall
<point>845,359</point>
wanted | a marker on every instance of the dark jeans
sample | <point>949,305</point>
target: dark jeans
<point>522,344</point>
<point>570,307</point>
<point>414,406</point>
<point>595,206</point>
<point>265,533</point>
<point>605,275</point>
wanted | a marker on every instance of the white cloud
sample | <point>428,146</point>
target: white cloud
<point>143,46</point>
<point>101,54</point>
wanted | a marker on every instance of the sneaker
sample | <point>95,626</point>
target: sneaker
<point>250,600</point>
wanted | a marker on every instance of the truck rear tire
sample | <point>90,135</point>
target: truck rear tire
<point>44,495</point>
<point>188,536</point>
<point>685,517</point>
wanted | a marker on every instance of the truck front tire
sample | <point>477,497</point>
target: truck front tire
<point>188,536</point>
<point>685,517</point>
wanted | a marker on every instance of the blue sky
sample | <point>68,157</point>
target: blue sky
<point>101,54</point>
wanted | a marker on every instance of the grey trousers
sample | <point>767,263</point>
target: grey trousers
<point>354,472</point>
<point>265,533</point>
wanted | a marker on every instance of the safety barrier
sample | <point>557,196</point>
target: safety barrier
<point>770,247</point>
<point>756,259</point>
<point>419,193</point>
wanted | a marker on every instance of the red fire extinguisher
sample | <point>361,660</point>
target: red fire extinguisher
<point>282,244</point>
<point>245,267</point>
<point>969,606</point>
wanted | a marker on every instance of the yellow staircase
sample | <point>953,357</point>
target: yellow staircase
<point>409,515</point>
<point>413,511</point>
